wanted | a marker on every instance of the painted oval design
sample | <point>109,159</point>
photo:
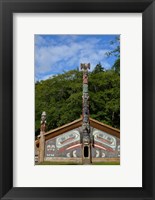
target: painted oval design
<point>105,139</point>
<point>67,138</point>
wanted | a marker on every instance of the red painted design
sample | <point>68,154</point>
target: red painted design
<point>67,146</point>
<point>85,79</point>
<point>106,141</point>
<point>99,147</point>
<point>106,148</point>
<point>74,146</point>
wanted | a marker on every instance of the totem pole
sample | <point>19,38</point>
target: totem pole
<point>86,140</point>
<point>42,137</point>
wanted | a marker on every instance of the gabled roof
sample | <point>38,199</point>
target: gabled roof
<point>104,127</point>
<point>77,123</point>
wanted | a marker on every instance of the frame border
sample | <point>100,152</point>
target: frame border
<point>7,8</point>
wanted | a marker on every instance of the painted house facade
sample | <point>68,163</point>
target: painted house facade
<point>64,144</point>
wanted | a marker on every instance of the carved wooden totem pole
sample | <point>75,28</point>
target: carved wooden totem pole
<point>86,139</point>
<point>42,137</point>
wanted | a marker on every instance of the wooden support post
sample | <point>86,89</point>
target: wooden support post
<point>42,138</point>
<point>41,147</point>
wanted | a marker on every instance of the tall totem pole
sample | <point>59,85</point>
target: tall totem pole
<point>42,137</point>
<point>86,139</point>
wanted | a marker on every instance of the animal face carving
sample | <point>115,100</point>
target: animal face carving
<point>85,79</point>
<point>86,140</point>
<point>85,66</point>
<point>85,96</point>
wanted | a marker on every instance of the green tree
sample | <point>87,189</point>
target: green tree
<point>105,97</point>
<point>116,53</point>
<point>98,68</point>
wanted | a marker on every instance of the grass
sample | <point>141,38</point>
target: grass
<point>106,163</point>
<point>56,163</point>
<point>69,163</point>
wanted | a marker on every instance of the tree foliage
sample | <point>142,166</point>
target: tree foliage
<point>98,68</point>
<point>116,53</point>
<point>61,98</point>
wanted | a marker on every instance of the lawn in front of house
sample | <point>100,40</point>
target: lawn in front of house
<point>56,163</point>
<point>106,163</point>
<point>70,163</point>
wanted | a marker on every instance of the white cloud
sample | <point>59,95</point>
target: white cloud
<point>53,58</point>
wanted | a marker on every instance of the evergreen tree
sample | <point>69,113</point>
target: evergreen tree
<point>98,68</point>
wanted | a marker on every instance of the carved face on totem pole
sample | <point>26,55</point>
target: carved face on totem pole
<point>85,66</point>
<point>43,117</point>
<point>85,96</point>
<point>43,121</point>
<point>86,140</point>
<point>85,79</point>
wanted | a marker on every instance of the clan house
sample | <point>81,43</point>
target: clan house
<point>83,141</point>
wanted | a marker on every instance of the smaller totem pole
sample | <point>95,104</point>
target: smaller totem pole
<point>86,140</point>
<point>42,137</point>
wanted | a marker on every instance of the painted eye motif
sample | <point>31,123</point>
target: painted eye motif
<point>103,154</point>
<point>74,154</point>
<point>68,155</point>
<point>53,147</point>
<point>48,147</point>
<point>97,153</point>
<point>118,148</point>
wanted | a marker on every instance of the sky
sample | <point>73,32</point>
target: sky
<point>56,54</point>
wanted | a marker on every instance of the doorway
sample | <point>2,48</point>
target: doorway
<point>86,153</point>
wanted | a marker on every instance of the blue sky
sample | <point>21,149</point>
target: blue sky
<point>55,54</point>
